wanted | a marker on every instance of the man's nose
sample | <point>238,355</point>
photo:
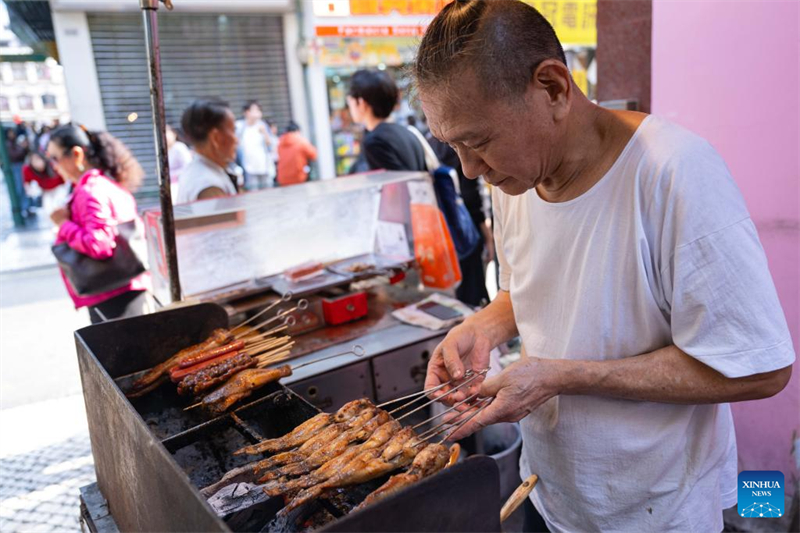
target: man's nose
<point>471,164</point>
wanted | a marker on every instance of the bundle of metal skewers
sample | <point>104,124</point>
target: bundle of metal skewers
<point>358,443</point>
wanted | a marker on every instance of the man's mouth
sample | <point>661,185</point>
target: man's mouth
<point>494,182</point>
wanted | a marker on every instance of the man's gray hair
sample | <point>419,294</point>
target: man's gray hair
<point>502,41</point>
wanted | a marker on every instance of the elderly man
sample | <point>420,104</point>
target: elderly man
<point>630,268</point>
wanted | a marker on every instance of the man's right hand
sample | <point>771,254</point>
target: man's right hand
<point>466,347</point>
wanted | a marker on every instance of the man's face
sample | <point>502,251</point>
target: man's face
<point>512,143</point>
<point>224,138</point>
<point>253,113</point>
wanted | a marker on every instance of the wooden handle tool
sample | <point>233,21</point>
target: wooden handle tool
<point>516,499</point>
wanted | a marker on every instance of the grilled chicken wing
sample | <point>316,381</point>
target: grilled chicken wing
<point>218,337</point>
<point>365,467</point>
<point>334,448</point>
<point>321,439</point>
<point>379,438</point>
<point>241,385</point>
<point>427,462</point>
<point>307,429</point>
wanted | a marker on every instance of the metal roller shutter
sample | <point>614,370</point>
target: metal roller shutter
<point>233,57</point>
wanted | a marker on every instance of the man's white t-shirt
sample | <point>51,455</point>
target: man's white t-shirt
<point>660,251</point>
<point>199,175</point>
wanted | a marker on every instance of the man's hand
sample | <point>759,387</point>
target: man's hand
<point>465,348</point>
<point>59,216</point>
<point>517,391</point>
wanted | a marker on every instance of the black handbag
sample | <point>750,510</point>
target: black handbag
<point>90,276</point>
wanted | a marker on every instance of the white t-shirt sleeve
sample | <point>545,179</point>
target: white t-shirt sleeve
<point>725,310</point>
<point>722,303</point>
<point>497,229</point>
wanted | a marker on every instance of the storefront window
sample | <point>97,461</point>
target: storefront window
<point>48,101</point>
<point>4,106</point>
<point>19,71</point>
<point>42,71</point>
<point>25,102</point>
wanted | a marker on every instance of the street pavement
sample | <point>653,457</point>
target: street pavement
<point>45,455</point>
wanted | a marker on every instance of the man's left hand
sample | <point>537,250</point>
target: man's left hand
<point>517,391</point>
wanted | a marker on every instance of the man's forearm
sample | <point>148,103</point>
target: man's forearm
<point>666,375</point>
<point>496,320</point>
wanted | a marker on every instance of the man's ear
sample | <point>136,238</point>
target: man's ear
<point>553,77</point>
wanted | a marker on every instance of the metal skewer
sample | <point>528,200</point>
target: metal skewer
<point>462,423</point>
<point>302,305</point>
<point>356,350</point>
<point>456,406</point>
<point>467,382</point>
<point>285,298</point>
<point>425,392</point>
<point>447,424</point>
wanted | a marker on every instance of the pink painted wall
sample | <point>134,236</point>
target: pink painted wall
<point>729,71</point>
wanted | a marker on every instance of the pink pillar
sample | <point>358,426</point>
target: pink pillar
<point>729,71</point>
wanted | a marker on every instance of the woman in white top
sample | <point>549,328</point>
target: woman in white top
<point>210,126</point>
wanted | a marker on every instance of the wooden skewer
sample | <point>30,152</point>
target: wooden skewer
<point>276,358</point>
<point>269,343</point>
<point>252,332</point>
<point>262,336</point>
<point>263,356</point>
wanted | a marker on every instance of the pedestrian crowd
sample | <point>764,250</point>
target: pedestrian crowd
<point>36,185</point>
<point>231,155</point>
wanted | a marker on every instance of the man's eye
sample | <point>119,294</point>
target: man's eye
<point>480,144</point>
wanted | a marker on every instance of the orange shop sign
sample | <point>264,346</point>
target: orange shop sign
<point>370,31</point>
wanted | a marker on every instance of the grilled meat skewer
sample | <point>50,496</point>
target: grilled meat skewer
<point>208,378</point>
<point>241,385</point>
<point>248,473</point>
<point>388,431</point>
<point>427,462</point>
<point>367,466</point>
<point>307,429</point>
<point>217,338</point>
<point>358,432</point>
<point>324,438</point>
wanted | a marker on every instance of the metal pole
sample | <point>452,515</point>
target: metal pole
<point>11,181</point>
<point>150,16</point>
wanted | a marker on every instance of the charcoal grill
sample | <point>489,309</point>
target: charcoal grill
<point>152,458</point>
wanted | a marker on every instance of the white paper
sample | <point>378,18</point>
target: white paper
<point>392,240</point>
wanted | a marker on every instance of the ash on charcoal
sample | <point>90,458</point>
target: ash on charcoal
<point>236,497</point>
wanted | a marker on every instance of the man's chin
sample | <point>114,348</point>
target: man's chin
<point>512,187</point>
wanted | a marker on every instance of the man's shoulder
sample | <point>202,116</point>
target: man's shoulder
<point>683,183</point>
<point>671,161</point>
<point>666,144</point>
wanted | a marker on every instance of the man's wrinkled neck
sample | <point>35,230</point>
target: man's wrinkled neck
<point>581,153</point>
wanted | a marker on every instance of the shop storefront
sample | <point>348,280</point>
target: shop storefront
<point>345,36</point>
<point>238,55</point>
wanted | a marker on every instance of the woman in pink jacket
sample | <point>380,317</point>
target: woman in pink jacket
<point>104,173</point>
